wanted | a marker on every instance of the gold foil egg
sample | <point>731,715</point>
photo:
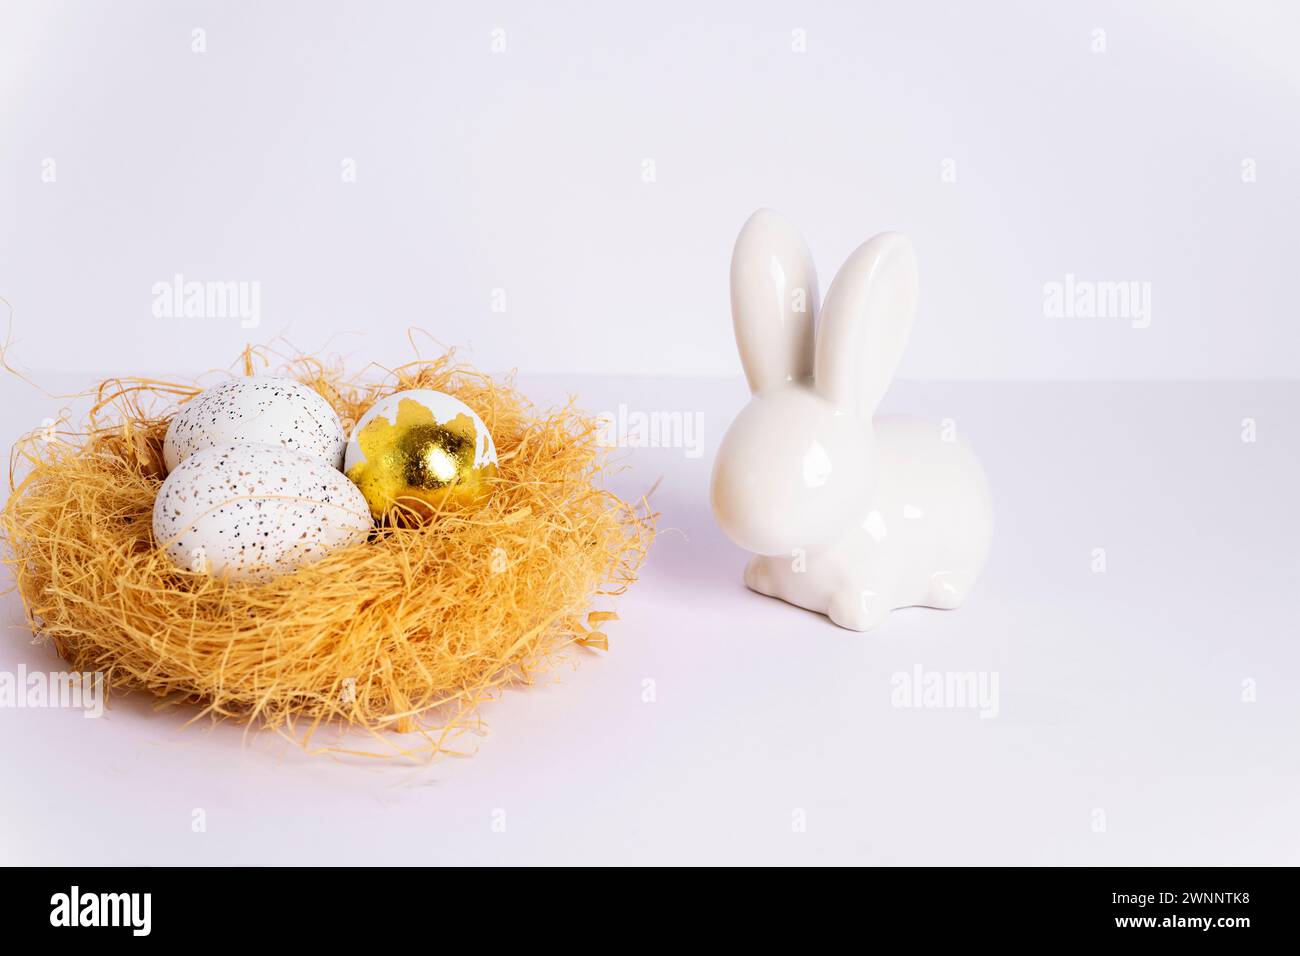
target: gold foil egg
<point>420,451</point>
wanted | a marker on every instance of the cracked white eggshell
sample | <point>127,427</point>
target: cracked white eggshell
<point>444,408</point>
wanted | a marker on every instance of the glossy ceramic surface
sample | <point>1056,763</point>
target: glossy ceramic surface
<point>848,516</point>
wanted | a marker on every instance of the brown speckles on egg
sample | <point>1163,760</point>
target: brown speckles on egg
<point>242,507</point>
<point>259,408</point>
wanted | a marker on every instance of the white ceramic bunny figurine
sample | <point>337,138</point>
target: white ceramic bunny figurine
<point>848,516</point>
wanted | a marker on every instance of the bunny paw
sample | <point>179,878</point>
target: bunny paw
<point>948,589</point>
<point>858,610</point>
<point>759,575</point>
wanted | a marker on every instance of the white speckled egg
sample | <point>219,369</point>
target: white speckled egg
<point>252,511</point>
<point>261,409</point>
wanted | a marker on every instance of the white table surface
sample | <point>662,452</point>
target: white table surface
<point>1119,692</point>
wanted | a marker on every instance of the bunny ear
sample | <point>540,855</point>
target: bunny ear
<point>773,301</point>
<point>865,321</point>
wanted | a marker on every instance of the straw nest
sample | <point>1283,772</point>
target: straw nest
<point>404,634</point>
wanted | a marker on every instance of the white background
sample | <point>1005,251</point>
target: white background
<point>1123,692</point>
<point>1124,734</point>
<point>522,171</point>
